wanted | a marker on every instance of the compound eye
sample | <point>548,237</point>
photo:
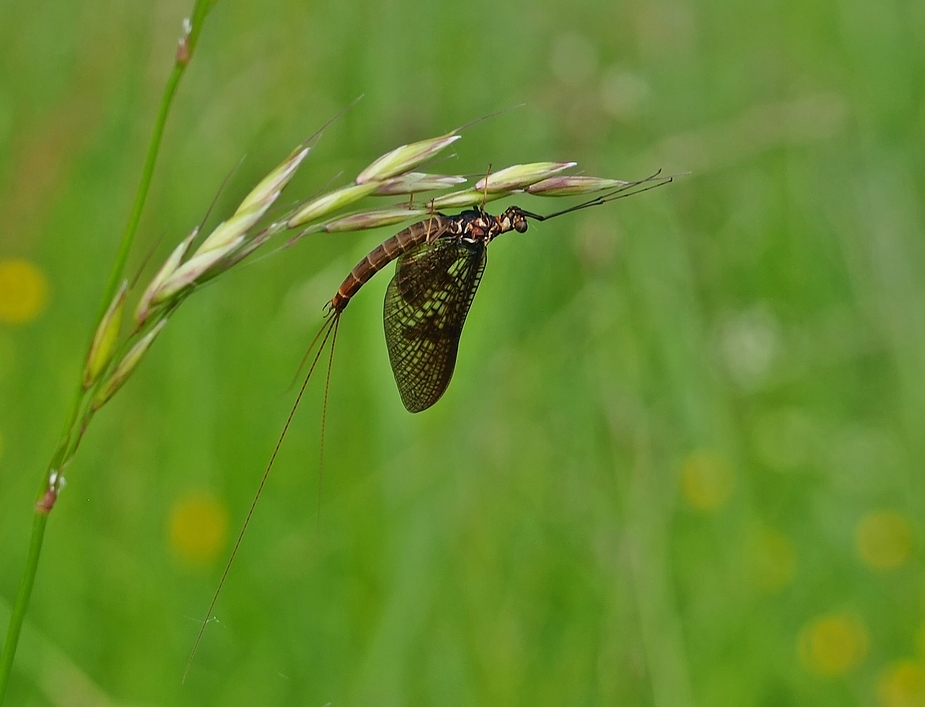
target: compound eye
<point>520,225</point>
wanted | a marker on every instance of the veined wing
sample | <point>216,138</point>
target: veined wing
<point>426,305</point>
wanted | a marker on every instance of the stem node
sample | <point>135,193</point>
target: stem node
<point>46,502</point>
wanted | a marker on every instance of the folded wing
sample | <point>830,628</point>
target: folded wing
<point>426,305</point>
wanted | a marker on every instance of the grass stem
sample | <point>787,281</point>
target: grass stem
<point>51,479</point>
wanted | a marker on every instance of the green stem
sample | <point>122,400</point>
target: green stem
<point>22,600</point>
<point>147,172</point>
<point>48,490</point>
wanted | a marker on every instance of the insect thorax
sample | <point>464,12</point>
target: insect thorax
<point>479,225</point>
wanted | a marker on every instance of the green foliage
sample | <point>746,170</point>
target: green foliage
<point>680,461</point>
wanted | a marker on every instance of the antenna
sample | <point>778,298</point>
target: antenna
<point>654,181</point>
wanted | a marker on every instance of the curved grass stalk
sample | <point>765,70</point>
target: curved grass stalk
<point>70,436</point>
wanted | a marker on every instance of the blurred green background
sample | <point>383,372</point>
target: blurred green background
<point>681,461</point>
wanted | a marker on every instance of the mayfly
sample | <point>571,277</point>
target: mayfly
<point>440,263</point>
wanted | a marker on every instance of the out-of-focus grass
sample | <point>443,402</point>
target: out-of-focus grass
<point>681,459</point>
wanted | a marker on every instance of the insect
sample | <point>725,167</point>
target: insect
<point>440,263</point>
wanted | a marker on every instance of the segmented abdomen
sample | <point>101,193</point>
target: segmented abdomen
<point>427,230</point>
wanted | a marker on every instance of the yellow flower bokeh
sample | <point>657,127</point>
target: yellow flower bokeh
<point>23,291</point>
<point>198,529</point>
<point>707,481</point>
<point>884,540</point>
<point>902,685</point>
<point>832,645</point>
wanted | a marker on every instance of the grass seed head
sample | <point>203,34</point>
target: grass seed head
<point>126,366</point>
<point>571,185</point>
<point>467,197</point>
<point>104,339</point>
<point>405,158</point>
<point>253,244</point>
<point>363,220</point>
<point>520,176</point>
<point>192,270</point>
<point>329,203</point>
<point>275,181</point>
<point>167,269</point>
<point>414,182</point>
<point>238,225</point>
